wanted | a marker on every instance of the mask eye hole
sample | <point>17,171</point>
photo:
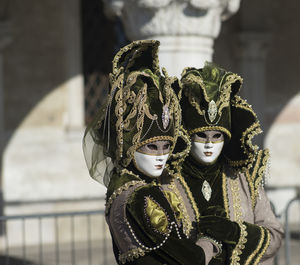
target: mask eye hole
<point>217,135</point>
<point>152,147</point>
<point>201,134</point>
<point>166,146</point>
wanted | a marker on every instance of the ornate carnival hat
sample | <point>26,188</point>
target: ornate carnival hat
<point>141,107</point>
<point>210,102</point>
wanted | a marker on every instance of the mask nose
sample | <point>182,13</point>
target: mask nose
<point>208,145</point>
<point>159,158</point>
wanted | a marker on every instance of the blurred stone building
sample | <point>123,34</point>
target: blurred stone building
<point>54,60</point>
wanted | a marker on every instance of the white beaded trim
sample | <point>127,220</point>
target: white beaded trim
<point>158,246</point>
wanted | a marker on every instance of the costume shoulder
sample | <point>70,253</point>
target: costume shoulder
<point>255,173</point>
<point>146,230</point>
<point>120,182</point>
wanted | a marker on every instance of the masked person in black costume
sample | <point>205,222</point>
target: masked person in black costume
<point>135,146</point>
<point>224,171</point>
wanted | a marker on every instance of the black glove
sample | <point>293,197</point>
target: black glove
<point>214,210</point>
<point>220,228</point>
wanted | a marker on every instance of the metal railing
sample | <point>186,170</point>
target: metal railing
<point>288,230</point>
<point>81,238</point>
<point>56,238</point>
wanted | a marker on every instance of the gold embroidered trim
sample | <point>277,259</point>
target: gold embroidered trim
<point>139,124</point>
<point>237,251</point>
<point>210,128</point>
<point>118,191</point>
<point>225,90</point>
<point>131,255</point>
<point>247,136</point>
<point>131,46</point>
<point>190,196</point>
<point>238,102</point>
<point>235,257</point>
<point>224,99</point>
<point>262,170</point>
<point>156,138</point>
<point>248,148</point>
<point>255,180</point>
<point>179,157</point>
<point>225,194</point>
<point>262,238</point>
<point>186,221</point>
<point>251,179</point>
<point>264,249</point>
<point>251,187</point>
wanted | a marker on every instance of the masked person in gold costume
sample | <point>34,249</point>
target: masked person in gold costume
<point>224,172</point>
<point>135,146</point>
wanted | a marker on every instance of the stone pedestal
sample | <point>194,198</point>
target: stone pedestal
<point>186,29</point>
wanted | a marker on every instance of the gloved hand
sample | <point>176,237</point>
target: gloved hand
<point>214,210</point>
<point>219,227</point>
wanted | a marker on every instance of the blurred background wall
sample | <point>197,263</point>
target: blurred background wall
<point>54,60</point>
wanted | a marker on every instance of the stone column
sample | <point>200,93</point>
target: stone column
<point>5,39</point>
<point>74,84</point>
<point>186,29</point>
<point>252,53</point>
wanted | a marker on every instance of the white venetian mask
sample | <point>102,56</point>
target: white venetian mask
<point>150,159</point>
<point>207,146</point>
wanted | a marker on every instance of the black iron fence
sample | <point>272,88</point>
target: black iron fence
<point>83,238</point>
<point>57,238</point>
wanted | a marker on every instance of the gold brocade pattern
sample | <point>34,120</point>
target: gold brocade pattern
<point>225,194</point>
<point>184,217</point>
<point>132,106</point>
<point>190,196</point>
<point>258,246</point>
<point>224,99</point>
<point>157,216</point>
<point>237,251</point>
<point>131,255</point>
<point>225,89</point>
<point>251,187</point>
<point>256,177</point>
<point>264,249</point>
<point>262,170</point>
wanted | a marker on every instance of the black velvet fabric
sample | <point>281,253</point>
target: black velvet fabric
<point>194,174</point>
<point>215,225</point>
<point>174,250</point>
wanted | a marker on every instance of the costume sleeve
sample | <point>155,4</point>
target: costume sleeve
<point>262,239</point>
<point>145,230</point>
<point>263,213</point>
<point>265,218</point>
